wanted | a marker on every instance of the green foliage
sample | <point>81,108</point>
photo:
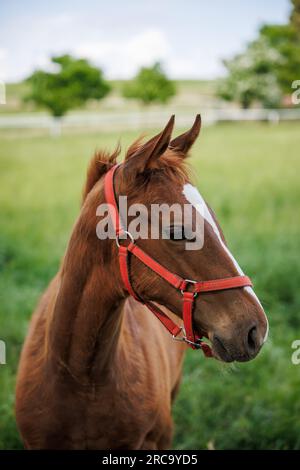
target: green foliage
<point>151,85</point>
<point>286,41</point>
<point>250,76</point>
<point>265,71</point>
<point>72,83</point>
<point>254,190</point>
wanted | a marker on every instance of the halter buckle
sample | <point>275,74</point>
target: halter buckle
<point>124,232</point>
<point>189,281</point>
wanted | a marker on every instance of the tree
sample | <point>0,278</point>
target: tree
<point>250,76</point>
<point>150,85</point>
<point>267,69</point>
<point>295,16</point>
<point>72,83</point>
<point>286,40</point>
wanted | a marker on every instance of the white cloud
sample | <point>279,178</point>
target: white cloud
<point>43,62</point>
<point>122,58</point>
<point>120,36</point>
<point>61,20</point>
<point>179,67</point>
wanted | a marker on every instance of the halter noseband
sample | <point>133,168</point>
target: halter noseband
<point>188,288</point>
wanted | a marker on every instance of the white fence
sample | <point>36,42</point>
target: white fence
<point>136,120</point>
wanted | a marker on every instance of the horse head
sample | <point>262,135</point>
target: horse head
<point>154,179</point>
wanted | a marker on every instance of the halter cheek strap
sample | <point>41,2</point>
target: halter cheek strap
<point>188,288</point>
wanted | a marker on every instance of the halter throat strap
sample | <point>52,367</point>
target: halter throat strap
<point>189,288</point>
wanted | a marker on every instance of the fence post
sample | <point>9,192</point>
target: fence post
<point>273,117</point>
<point>2,92</point>
<point>55,128</point>
<point>2,353</point>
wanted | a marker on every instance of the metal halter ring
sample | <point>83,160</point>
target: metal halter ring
<point>189,281</point>
<point>181,338</point>
<point>184,339</point>
<point>125,233</point>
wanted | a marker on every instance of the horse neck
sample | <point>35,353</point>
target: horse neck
<point>86,321</point>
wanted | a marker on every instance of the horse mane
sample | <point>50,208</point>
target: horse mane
<point>171,164</point>
<point>100,163</point>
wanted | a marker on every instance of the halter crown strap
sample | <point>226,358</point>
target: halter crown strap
<point>189,289</point>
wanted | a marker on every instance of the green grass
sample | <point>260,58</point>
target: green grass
<point>250,175</point>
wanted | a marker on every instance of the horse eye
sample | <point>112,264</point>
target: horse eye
<point>176,232</point>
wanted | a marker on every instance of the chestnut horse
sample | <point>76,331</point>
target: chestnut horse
<point>98,370</point>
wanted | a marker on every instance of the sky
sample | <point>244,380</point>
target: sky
<point>189,37</point>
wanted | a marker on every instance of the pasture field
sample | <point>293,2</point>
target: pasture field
<point>249,173</point>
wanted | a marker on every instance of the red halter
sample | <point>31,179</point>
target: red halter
<point>189,289</point>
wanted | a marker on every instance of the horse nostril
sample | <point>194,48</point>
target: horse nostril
<point>222,349</point>
<point>252,340</point>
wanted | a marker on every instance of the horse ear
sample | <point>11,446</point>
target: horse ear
<point>144,157</point>
<point>185,141</point>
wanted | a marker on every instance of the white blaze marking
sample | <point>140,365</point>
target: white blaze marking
<point>194,197</point>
